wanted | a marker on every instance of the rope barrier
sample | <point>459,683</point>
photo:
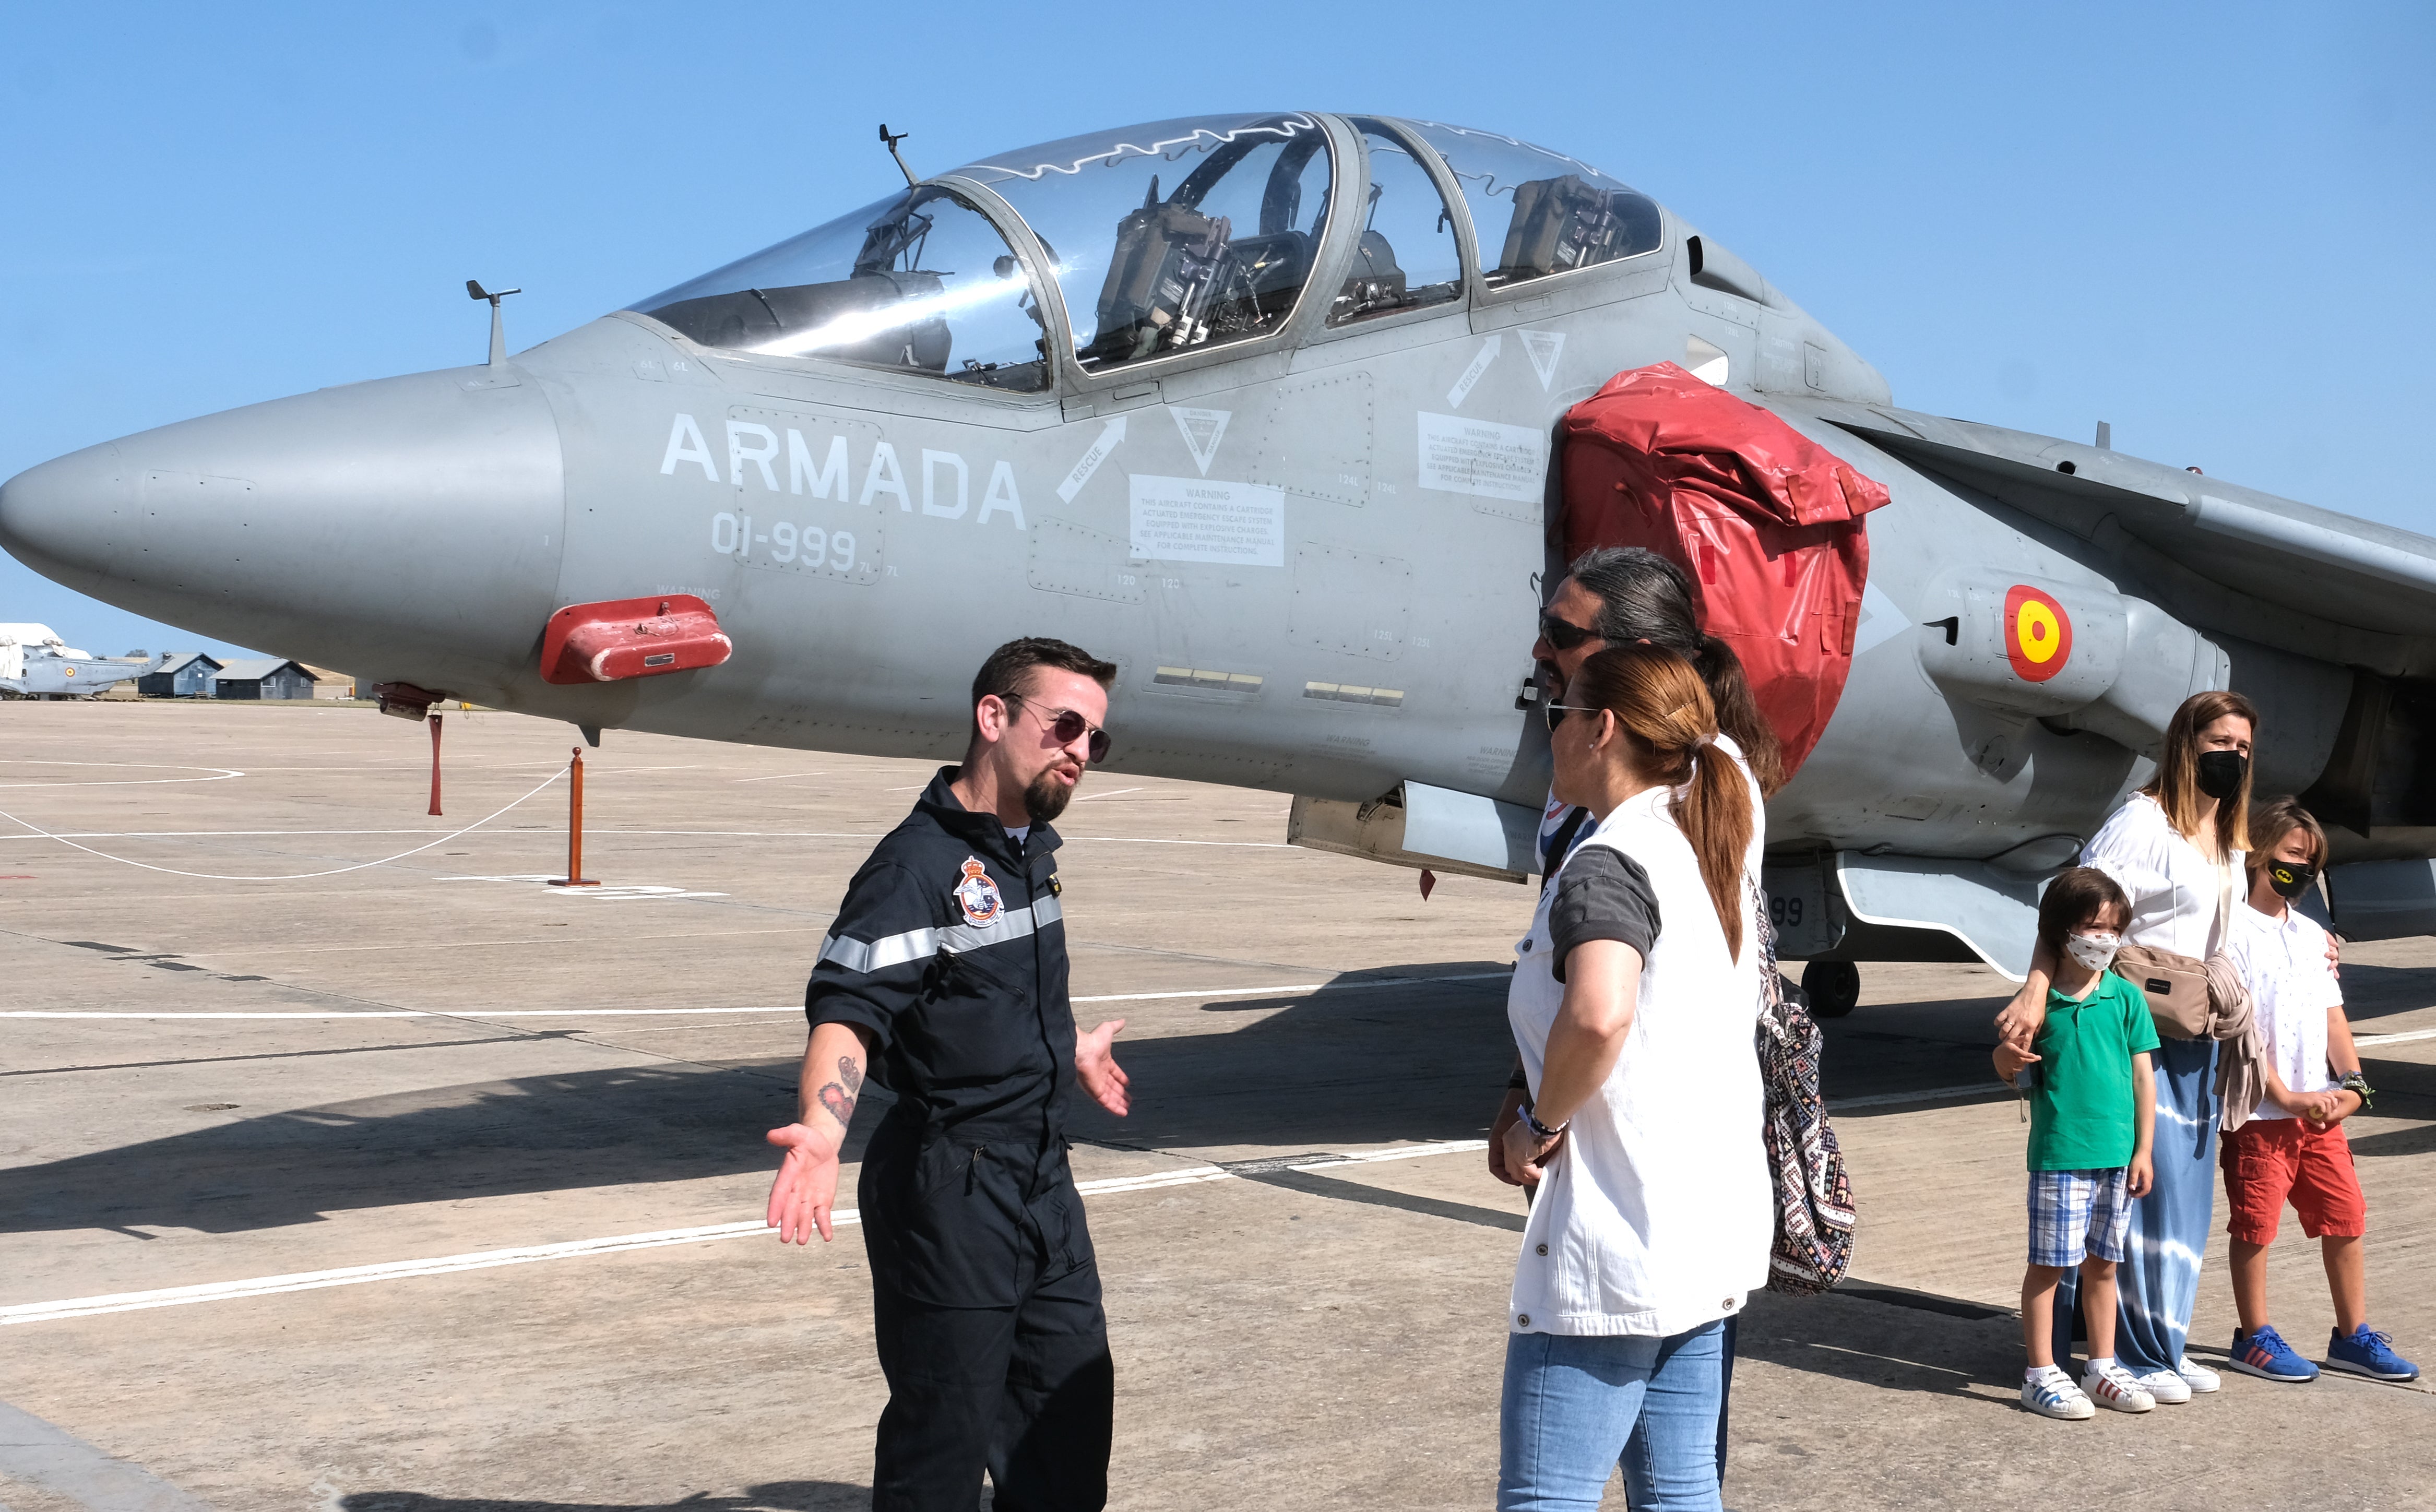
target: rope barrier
<point>300,876</point>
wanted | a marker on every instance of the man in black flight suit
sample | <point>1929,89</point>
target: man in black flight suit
<point>945,975</point>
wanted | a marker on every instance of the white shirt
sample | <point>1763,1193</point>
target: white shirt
<point>2175,891</point>
<point>2282,963</point>
<point>1656,1217</point>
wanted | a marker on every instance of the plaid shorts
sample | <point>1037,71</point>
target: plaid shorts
<point>2077,1212</point>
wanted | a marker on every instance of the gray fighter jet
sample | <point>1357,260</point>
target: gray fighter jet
<point>1266,409</point>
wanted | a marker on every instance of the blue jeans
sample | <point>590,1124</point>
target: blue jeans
<point>1577,1407</point>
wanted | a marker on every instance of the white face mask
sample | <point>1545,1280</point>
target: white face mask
<point>2093,950</point>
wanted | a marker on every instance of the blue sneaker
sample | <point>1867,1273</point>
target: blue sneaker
<point>2364,1353</point>
<point>2266,1355</point>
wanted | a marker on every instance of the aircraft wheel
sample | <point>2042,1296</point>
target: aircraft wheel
<point>1833,986</point>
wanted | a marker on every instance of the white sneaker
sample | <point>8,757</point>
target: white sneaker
<point>2167,1386</point>
<point>2111,1385</point>
<point>2053,1395</point>
<point>2198,1377</point>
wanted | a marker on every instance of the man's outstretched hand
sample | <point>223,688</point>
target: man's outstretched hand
<point>805,1190</point>
<point>1095,1064</point>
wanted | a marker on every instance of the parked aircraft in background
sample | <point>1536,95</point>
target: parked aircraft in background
<point>35,663</point>
<point>1267,409</point>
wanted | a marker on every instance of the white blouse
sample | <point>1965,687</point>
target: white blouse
<point>1656,1216</point>
<point>2175,891</point>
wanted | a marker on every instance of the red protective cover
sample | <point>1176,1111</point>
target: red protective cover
<point>619,638</point>
<point>1767,524</point>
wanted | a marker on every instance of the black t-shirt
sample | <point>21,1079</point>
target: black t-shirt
<point>1602,895</point>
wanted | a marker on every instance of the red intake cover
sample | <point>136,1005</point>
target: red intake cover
<point>1767,524</point>
<point>630,637</point>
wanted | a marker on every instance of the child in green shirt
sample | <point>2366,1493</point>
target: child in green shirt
<point>2092,1111</point>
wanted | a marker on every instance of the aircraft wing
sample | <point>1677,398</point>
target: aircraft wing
<point>2309,580</point>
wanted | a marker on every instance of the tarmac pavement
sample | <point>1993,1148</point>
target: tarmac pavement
<point>427,1187</point>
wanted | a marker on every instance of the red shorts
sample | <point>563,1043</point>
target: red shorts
<point>2268,1160</point>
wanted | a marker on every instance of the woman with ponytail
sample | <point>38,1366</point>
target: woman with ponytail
<point>1634,1003</point>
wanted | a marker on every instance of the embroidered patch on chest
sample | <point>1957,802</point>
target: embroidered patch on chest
<point>977,895</point>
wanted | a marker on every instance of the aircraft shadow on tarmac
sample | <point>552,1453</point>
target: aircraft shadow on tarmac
<point>1889,1338</point>
<point>778,1496</point>
<point>1375,1058</point>
<point>1357,1063</point>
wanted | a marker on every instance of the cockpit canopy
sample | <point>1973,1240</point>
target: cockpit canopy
<point>1161,239</point>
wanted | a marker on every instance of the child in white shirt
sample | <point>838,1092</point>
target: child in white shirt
<point>2294,1146</point>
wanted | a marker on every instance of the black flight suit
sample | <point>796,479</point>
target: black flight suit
<point>949,950</point>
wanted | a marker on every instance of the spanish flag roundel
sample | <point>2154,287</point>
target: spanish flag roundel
<point>2038,634</point>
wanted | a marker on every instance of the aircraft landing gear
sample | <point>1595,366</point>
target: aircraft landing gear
<point>1833,986</point>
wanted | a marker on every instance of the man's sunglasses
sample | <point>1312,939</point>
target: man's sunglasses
<point>1563,633</point>
<point>1557,712</point>
<point>1065,727</point>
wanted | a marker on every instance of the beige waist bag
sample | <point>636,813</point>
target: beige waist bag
<point>2177,985</point>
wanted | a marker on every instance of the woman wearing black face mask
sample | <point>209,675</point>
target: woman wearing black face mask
<point>2177,849</point>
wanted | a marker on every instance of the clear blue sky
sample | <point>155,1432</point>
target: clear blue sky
<point>2212,225</point>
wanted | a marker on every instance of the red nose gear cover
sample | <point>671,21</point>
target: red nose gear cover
<point>1767,524</point>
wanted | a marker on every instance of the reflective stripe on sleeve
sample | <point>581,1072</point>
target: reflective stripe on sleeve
<point>914,945</point>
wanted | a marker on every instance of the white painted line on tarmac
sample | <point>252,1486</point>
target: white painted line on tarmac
<point>1115,792</point>
<point>778,1008</point>
<point>779,777</point>
<point>1298,986</point>
<point>85,1307</point>
<point>2364,1039</point>
<point>218,773</point>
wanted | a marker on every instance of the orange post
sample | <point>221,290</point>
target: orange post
<point>435,763</point>
<point>574,876</point>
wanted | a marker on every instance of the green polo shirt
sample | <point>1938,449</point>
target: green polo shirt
<point>2082,1110</point>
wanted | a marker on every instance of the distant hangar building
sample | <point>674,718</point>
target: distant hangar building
<point>179,674</point>
<point>262,677</point>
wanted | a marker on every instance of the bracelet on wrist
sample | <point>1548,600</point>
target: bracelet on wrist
<point>1531,1117</point>
<point>2356,1083</point>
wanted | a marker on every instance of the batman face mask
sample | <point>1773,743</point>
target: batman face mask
<point>2291,878</point>
<point>2220,772</point>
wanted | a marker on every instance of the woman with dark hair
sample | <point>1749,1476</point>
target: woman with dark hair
<point>1635,1000</point>
<point>2176,849</point>
<point>1636,595</point>
<point>1625,596</point>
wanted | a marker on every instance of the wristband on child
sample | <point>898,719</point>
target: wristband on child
<point>2356,1083</point>
<point>1539,1128</point>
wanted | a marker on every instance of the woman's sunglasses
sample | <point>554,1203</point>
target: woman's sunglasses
<point>1067,727</point>
<point>1563,633</point>
<point>1556,713</point>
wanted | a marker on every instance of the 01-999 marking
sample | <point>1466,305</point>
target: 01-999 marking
<point>790,544</point>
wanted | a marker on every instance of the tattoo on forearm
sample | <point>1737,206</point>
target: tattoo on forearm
<point>839,1101</point>
<point>850,1074</point>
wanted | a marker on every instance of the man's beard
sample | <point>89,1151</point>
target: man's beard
<point>1047,797</point>
<point>1552,681</point>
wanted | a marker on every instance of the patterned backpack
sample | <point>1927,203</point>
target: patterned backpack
<point>1814,1196</point>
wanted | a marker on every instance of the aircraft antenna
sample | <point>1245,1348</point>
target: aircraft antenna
<point>890,142</point>
<point>498,327</point>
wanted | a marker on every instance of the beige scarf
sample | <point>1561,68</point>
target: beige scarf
<point>2241,1063</point>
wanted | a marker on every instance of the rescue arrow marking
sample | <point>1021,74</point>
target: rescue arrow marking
<point>1462,389</point>
<point>1109,436</point>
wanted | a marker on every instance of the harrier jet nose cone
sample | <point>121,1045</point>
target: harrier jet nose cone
<point>412,522</point>
<point>58,518</point>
